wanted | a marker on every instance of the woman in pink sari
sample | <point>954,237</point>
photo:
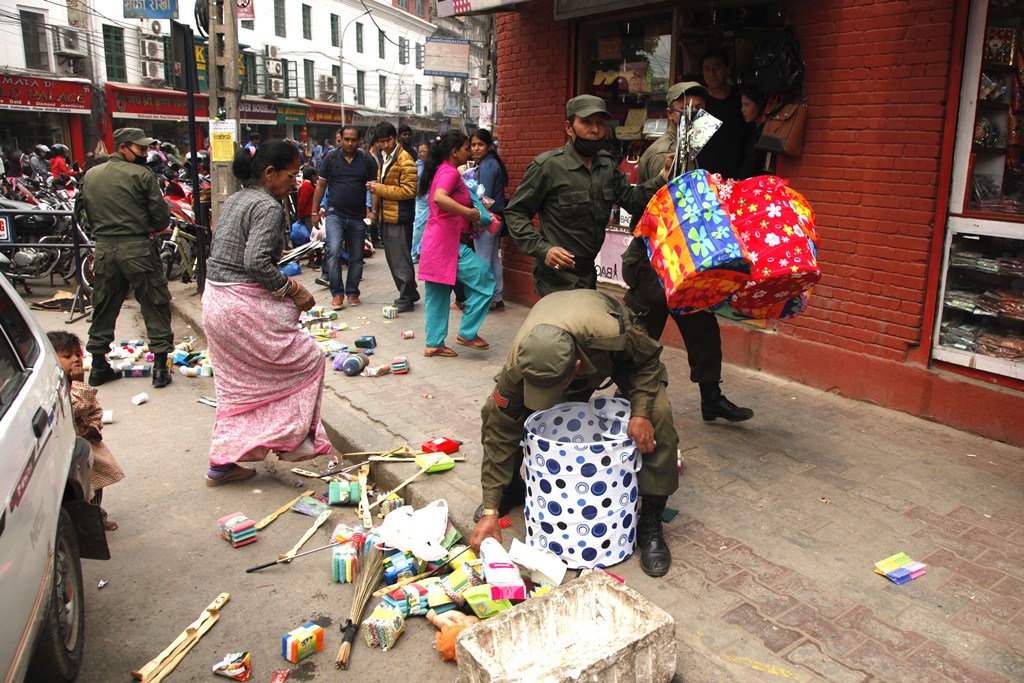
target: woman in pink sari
<point>269,375</point>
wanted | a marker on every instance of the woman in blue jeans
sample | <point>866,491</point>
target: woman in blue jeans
<point>492,174</point>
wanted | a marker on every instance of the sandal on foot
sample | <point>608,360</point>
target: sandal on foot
<point>237,473</point>
<point>109,526</point>
<point>457,306</point>
<point>474,343</point>
<point>432,351</point>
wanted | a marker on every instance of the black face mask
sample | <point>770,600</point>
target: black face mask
<point>587,148</point>
<point>140,160</point>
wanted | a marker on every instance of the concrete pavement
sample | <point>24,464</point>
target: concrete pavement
<point>780,518</point>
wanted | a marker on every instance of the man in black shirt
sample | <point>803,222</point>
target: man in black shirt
<point>726,149</point>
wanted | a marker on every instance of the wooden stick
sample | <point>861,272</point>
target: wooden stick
<point>277,513</point>
<point>305,537</point>
<point>184,648</point>
<point>364,502</point>
<point>400,486</point>
<point>384,458</point>
<point>154,665</point>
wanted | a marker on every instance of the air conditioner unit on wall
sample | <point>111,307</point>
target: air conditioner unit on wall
<point>275,68</point>
<point>327,83</point>
<point>152,49</point>
<point>273,52</point>
<point>275,85</point>
<point>153,71</point>
<point>154,27</point>
<point>68,42</point>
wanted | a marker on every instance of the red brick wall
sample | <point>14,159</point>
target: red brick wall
<point>534,80</point>
<point>877,77</point>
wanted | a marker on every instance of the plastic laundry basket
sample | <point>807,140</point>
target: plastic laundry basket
<point>581,485</point>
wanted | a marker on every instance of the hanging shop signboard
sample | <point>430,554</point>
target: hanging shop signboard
<point>446,57</point>
<point>27,93</point>
<point>569,9</point>
<point>154,105</point>
<point>150,9</point>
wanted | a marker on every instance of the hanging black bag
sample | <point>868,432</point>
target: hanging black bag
<point>778,68</point>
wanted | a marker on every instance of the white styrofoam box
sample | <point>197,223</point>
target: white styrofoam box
<point>590,630</point>
<point>581,485</point>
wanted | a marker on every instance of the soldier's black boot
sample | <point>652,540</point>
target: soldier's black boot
<point>101,372</point>
<point>655,558</point>
<point>161,373</point>
<point>714,405</point>
<point>512,497</point>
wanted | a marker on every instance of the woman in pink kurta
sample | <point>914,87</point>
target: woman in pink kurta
<point>443,258</point>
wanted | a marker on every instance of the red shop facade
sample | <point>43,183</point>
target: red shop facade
<point>921,218</point>
<point>162,114</point>
<point>43,111</point>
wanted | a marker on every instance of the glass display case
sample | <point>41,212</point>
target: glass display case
<point>980,311</point>
<point>981,323</point>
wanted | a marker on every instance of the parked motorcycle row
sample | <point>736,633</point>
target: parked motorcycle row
<point>38,218</point>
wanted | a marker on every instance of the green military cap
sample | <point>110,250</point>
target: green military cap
<point>680,90</point>
<point>546,355</point>
<point>585,105</point>
<point>133,136</point>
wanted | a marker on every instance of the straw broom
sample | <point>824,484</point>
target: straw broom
<point>370,574</point>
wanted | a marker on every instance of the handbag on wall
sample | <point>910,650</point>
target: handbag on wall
<point>630,165</point>
<point>783,131</point>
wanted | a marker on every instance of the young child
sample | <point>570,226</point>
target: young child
<point>88,418</point>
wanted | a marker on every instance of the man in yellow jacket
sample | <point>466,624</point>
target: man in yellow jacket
<point>394,202</point>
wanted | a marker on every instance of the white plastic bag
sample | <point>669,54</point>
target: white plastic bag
<point>419,531</point>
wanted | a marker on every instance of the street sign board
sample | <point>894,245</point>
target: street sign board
<point>447,57</point>
<point>150,9</point>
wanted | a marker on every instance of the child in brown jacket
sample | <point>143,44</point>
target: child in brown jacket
<point>88,418</point>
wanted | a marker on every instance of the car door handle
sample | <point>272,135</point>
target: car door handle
<point>39,421</point>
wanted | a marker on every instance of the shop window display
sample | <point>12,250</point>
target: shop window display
<point>997,143</point>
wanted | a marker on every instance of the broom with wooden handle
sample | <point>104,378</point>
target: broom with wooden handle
<point>371,571</point>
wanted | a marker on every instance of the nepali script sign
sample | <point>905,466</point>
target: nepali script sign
<point>446,57</point>
<point>150,9</point>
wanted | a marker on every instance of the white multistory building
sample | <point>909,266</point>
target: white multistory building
<point>72,71</point>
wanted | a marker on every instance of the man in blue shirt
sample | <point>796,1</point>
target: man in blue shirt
<point>346,170</point>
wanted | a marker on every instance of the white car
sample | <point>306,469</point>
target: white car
<point>47,522</point>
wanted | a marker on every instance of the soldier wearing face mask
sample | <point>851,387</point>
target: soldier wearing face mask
<point>573,189</point>
<point>123,204</point>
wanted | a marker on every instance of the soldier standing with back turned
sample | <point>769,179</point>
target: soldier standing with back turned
<point>125,208</point>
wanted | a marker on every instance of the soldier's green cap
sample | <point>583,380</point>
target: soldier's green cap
<point>546,355</point>
<point>134,136</point>
<point>585,105</point>
<point>681,90</point>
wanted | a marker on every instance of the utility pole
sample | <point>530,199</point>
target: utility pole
<point>225,92</point>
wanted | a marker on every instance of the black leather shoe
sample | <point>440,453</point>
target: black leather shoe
<point>161,377</point>
<point>101,374</point>
<point>403,307</point>
<point>511,498</point>
<point>655,557</point>
<point>322,281</point>
<point>724,408</point>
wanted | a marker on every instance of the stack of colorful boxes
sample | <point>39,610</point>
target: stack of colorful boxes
<point>237,529</point>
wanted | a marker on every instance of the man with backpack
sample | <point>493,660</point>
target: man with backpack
<point>346,170</point>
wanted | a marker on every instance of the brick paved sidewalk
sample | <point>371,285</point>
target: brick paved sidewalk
<point>780,518</point>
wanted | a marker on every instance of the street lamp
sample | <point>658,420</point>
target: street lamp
<point>341,64</point>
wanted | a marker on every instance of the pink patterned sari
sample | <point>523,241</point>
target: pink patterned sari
<point>268,373</point>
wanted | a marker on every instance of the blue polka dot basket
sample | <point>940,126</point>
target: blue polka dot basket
<point>581,484</point>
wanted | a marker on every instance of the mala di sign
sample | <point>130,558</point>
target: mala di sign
<point>581,482</point>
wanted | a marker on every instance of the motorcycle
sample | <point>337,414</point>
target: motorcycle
<point>53,237</point>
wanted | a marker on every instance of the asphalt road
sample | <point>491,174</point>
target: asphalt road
<point>168,562</point>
